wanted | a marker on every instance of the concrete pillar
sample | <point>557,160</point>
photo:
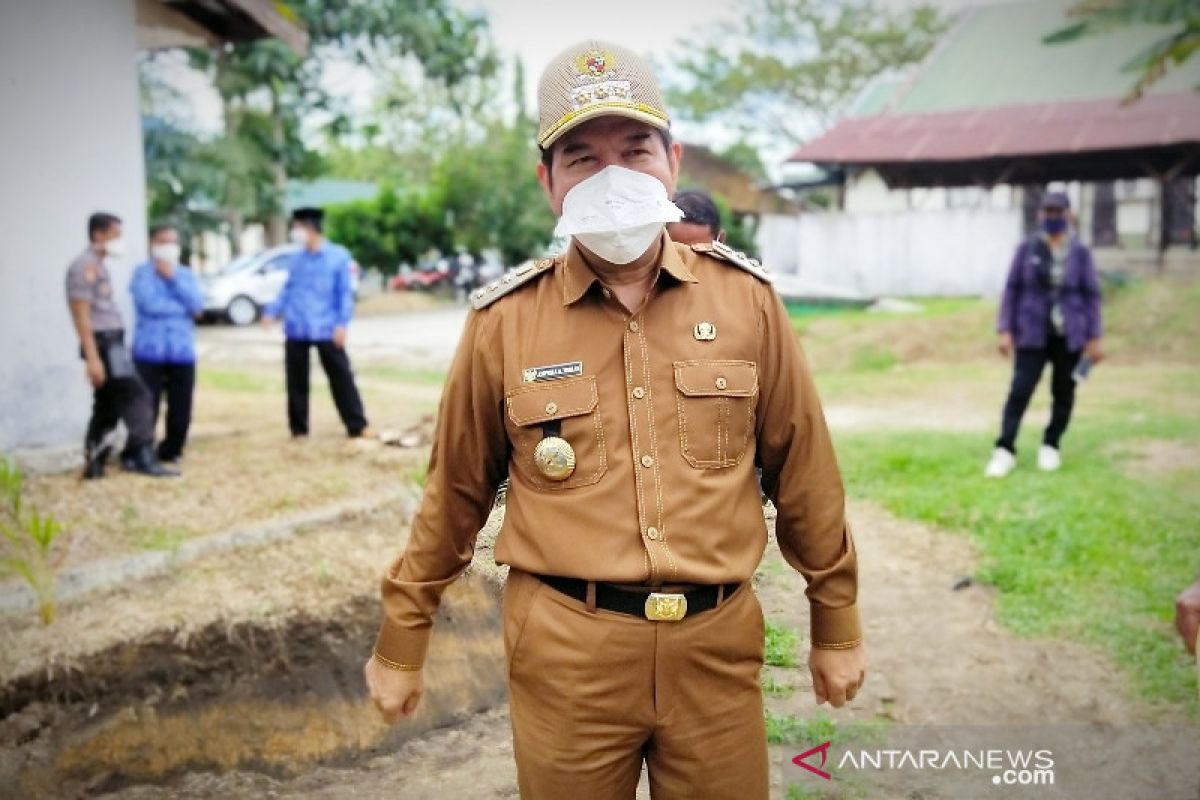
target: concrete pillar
<point>70,144</point>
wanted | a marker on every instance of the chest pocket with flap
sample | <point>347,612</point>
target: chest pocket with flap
<point>716,402</point>
<point>573,404</point>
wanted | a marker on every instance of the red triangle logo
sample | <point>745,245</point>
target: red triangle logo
<point>823,749</point>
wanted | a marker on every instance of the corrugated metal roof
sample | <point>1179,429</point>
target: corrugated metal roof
<point>1044,128</point>
<point>994,56</point>
<point>992,98</point>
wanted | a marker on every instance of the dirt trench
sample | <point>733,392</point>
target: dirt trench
<point>274,688</point>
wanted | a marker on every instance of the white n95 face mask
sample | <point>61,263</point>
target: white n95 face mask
<point>621,247</point>
<point>298,236</point>
<point>114,248</point>
<point>617,213</point>
<point>166,252</point>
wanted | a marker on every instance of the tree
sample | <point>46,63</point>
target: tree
<point>391,228</point>
<point>1173,49</point>
<point>268,92</point>
<point>491,190</point>
<point>474,160</point>
<point>792,67</point>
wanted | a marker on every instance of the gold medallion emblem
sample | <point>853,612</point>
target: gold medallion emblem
<point>554,458</point>
<point>595,63</point>
<point>662,607</point>
<point>705,332</point>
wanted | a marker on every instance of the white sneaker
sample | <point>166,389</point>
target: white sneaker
<point>1049,458</point>
<point>1001,463</point>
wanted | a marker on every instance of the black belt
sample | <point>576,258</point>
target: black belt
<point>649,604</point>
<point>109,336</point>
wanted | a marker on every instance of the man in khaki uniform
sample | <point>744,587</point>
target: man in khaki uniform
<point>627,392</point>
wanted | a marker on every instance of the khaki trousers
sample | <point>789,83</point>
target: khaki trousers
<point>593,694</point>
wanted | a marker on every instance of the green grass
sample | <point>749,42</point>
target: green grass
<point>797,732</point>
<point>1088,552</point>
<point>409,375</point>
<point>872,358</point>
<point>789,729</point>
<point>780,645</point>
<point>855,316</point>
<point>238,381</point>
<point>418,474</point>
<point>774,688</point>
<point>145,535</point>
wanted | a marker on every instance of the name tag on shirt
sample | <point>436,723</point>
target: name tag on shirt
<point>552,372</point>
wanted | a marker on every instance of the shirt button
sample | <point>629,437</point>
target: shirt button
<point>722,383</point>
<point>551,408</point>
<point>633,326</point>
<point>652,534</point>
<point>647,461</point>
<point>639,392</point>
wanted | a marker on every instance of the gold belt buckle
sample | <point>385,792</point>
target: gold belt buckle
<point>662,607</point>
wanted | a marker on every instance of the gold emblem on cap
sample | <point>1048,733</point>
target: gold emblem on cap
<point>554,458</point>
<point>595,63</point>
<point>704,332</point>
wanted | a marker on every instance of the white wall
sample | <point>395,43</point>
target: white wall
<point>904,253</point>
<point>70,144</point>
<point>867,192</point>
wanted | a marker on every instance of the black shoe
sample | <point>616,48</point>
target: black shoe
<point>143,462</point>
<point>94,459</point>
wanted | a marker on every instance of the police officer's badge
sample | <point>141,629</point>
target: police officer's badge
<point>704,332</point>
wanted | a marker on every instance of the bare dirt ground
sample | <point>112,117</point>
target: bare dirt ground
<point>937,654</point>
<point>241,466</point>
<point>937,658</point>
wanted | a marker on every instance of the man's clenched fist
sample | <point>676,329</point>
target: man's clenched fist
<point>396,693</point>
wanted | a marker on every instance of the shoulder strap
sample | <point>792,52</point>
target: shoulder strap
<point>485,296</point>
<point>724,252</point>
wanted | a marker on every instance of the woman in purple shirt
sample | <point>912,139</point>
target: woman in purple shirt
<point>1050,312</point>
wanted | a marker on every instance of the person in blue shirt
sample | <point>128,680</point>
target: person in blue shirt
<point>167,299</point>
<point>316,305</point>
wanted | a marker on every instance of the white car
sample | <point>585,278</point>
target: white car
<point>239,290</point>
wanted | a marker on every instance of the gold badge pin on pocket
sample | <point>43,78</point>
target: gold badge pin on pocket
<point>705,332</point>
<point>554,458</point>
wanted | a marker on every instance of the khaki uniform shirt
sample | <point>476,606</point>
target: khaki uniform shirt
<point>88,279</point>
<point>667,426</point>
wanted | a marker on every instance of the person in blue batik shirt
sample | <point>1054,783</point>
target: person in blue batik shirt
<point>167,299</point>
<point>316,305</point>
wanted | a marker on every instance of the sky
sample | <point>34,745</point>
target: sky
<point>536,30</point>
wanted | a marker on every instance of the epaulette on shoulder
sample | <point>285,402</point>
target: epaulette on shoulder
<point>485,296</point>
<point>724,252</point>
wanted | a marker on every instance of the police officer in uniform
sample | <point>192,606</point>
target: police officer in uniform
<point>118,394</point>
<point>627,390</point>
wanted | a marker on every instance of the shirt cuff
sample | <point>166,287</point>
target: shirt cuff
<point>401,648</point>
<point>835,628</point>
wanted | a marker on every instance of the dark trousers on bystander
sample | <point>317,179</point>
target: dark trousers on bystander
<point>1027,372</point>
<point>122,398</point>
<point>178,383</point>
<point>336,364</point>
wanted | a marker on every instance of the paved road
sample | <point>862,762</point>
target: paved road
<point>417,338</point>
